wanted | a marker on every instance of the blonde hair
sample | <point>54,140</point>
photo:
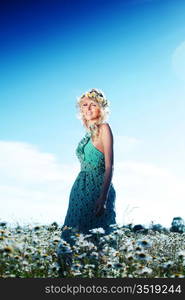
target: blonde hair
<point>99,97</point>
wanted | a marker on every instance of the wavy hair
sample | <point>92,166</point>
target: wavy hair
<point>99,97</point>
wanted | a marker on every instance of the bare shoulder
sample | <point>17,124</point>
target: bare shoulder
<point>105,126</point>
<point>105,130</point>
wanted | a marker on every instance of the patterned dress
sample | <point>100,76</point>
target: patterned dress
<point>86,190</point>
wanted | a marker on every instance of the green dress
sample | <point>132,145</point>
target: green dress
<point>86,190</point>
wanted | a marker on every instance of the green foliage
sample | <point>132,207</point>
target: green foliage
<point>177,225</point>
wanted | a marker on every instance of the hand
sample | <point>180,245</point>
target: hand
<point>100,206</point>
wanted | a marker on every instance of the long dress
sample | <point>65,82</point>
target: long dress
<point>86,190</point>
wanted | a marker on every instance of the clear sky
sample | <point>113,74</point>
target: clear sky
<point>53,51</point>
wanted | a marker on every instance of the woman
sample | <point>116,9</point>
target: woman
<point>92,197</point>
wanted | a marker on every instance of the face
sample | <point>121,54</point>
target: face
<point>90,109</point>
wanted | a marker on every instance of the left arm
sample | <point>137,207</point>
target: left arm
<point>107,140</point>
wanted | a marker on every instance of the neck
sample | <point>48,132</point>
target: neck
<point>91,123</point>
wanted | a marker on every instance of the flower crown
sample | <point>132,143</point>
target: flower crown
<point>96,95</point>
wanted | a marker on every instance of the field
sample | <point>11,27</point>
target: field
<point>30,251</point>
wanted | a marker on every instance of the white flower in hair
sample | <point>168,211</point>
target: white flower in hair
<point>97,95</point>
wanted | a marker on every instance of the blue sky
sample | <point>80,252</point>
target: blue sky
<point>53,51</point>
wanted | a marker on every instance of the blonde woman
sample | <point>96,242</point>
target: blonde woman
<point>92,197</point>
